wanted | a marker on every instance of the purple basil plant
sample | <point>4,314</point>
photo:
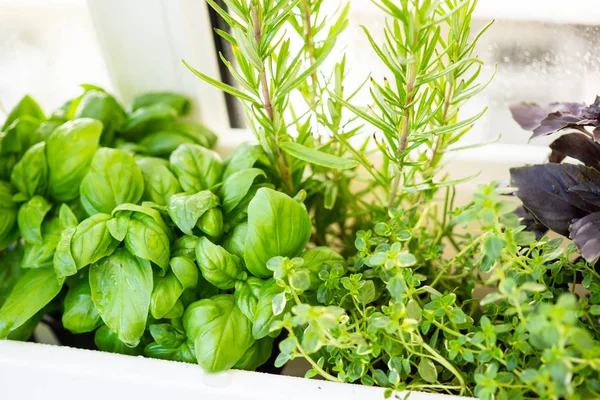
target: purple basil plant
<point>563,197</point>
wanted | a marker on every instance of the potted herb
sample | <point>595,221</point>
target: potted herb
<point>123,224</point>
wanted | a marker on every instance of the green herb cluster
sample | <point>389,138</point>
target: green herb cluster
<point>128,225</point>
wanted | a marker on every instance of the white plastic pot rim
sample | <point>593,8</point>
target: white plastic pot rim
<point>36,371</point>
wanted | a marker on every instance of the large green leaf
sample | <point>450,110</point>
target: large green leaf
<point>92,240</point>
<point>217,265</point>
<point>196,167</point>
<point>69,151</point>
<point>98,104</point>
<point>26,107</point>
<point>277,226</point>
<point>30,175</point>
<point>264,316</point>
<point>113,179</point>
<point>160,184</point>
<point>220,331</point>
<point>30,218</point>
<point>32,292</point>
<point>236,187</point>
<point>80,313</point>
<point>185,209</point>
<point>147,120</point>
<point>246,296</point>
<point>121,287</point>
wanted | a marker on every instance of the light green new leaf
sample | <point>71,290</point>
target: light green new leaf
<point>80,315</point>
<point>220,331</point>
<point>236,186</point>
<point>30,175</point>
<point>30,218</point>
<point>185,209</point>
<point>317,157</point>
<point>113,179</point>
<point>235,242</point>
<point>196,167</point>
<point>160,184</point>
<point>246,296</point>
<point>121,287</point>
<point>92,240</point>
<point>69,151</point>
<point>217,265</point>
<point>277,226</point>
<point>30,294</point>
<point>26,107</point>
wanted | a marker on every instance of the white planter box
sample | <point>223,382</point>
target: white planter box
<point>37,371</point>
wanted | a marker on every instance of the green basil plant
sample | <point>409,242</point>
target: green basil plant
<point>128,225</point>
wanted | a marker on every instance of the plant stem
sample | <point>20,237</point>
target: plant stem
<point>281,162</point>
<point>410,86</point>
<point>310,45</point>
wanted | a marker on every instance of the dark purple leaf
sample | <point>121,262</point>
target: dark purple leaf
<point>544,191</point>
<point>555,122</point>
<point>585,233</point>
<point>589,191</point>
<point>530,115</point>
<point>577,146</point>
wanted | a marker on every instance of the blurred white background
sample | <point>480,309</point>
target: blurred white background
<point>545,51</point>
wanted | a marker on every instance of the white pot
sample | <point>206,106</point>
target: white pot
<point>38,371</point>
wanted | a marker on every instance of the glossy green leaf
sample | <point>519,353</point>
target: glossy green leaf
<point>317,157</point>
<point>186,271</point>
<point>113,179</point>
<point>30,175</point>
<point>211,223</point>
<point>146,120</point>
<point>99,105</point>
<point>264,315</point>
<point>236,187</point>
<point>64,263</point>
<point>27,106</point>
<point>8,216</point>
<point>244,157</point>
<point>185,246</point>
<point>185,209</point>
<point>92,240</point>
<point>176,101</point>
<point>196,167</point>
<point>220,331</point>
<point>256,355</point>
<point>121,287</point>
<point>277,226</point>
<point>217,265</point>
<point>165,294</point>
<point>32,292</point>
<point>235,242</point>
<point>147,239</point>
<point>69,151</point>
<point>107,340</point>
<point>80,314</point>
<point>246,296</point>
<point>30,218</point>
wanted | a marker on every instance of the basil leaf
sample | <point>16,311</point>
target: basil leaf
<point>64,263</point>
<point>186,272</point>
<point>40,255</point>
<point>256,355</point>
<point>264,316</point>
<point>218,266</point>
<point>69,151</point>
<point>163,143</point>
<point>121,287</point>
<point>185,246</point>
<point>146,120</point>
<point>183,353</point>
<point>316,258</point>
<point>246,296</point>
<point>8,216</point>
<point>176,101</point>
<point>277,226</point>
<point>317,157</point>
<point>27,106</point>
<point>80,314</point>
<point>220,332</point>
<point>245,156</point>
<point>107,340</point>
<point>30,218</point>
<point>10,270</point>
<point>114,178</point>
<point>30,174</point>
<point>66,216</point>
<point>211,223</point>
<point>147,239</point>
<point>98,104</point>
<point>166,335</point>
<point>185,209</point>
<point>32,292</point>
<point>92,240</point>
<point>160,184</point>
<point>196,167</point>
<point>199,133</point>
<point>236,186</point>
<point>235,242</point>
<point>166,292</point>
